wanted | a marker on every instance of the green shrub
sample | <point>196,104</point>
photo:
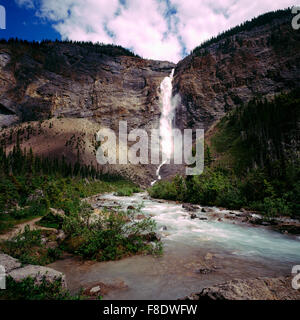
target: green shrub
<point>127,192</point>
<point>163,190</point>
<point>27,289</point>
<point>273,207</point>
<point>232,199</point>
<point>51,221</point>
<point>112,237</point>
<point>35,210</point>
<point>217,187</point>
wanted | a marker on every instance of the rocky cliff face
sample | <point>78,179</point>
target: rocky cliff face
<point>63,80</point>
<point>260,62</point>
<point>66,80</point>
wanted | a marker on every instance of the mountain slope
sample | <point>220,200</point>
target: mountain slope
<point>259,59</point>
<point>90,86</point>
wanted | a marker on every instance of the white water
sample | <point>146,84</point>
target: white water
<point>165,126</point>
<point>241,240</point>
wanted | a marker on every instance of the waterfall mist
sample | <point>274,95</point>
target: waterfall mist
<point>166,122</point>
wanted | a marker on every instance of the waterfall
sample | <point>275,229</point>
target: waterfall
<point>166,120</point>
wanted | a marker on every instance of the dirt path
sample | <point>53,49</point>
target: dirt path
<point>20,228</point>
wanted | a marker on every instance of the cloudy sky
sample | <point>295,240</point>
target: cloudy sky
<point>157,29</point>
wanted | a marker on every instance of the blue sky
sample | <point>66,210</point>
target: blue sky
<point>157,29</point>
<point>21,22</point>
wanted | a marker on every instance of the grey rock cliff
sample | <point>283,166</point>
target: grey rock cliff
<point>66,80</point>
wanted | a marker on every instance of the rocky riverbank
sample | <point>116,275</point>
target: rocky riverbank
<point>285,225</point>
<point>249,289</point>
<point>282,224</point>
<point>15,269</point>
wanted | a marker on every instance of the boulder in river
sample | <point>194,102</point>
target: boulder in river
<point>202,218</point>
<point>151,237</point>
<point>205,270</point>
<point>208,256</point>
<point>101,288</point>
<point>140,217</point>
<point>190,207</point>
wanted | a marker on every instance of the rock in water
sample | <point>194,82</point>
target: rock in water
<point>193,216</point>
<point>205,270</point>
<point>190,207</point>
<point>208,256</point>
<point>95,290</point>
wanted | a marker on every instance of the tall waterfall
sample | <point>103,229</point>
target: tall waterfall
<point>166,120</point>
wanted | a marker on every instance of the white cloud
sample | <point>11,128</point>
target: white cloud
<point>144,26</point>
<point>200,20</point>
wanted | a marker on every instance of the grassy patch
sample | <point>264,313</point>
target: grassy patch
<point>27,289</point>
